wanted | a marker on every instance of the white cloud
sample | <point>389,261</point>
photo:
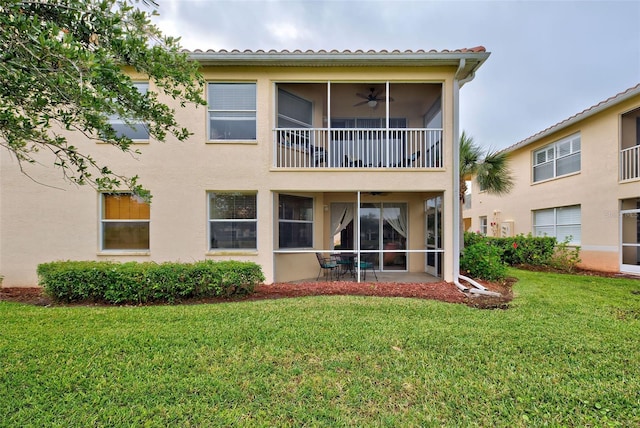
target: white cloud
<point>286,32</point>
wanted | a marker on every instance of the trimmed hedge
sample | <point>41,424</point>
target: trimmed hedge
<point>133,282</point>
<point>515,251</point>
<point>520,249</point>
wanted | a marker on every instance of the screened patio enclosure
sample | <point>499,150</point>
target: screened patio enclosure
<point>358,125</point>
<point>630,232</point>
<point>396,232</point>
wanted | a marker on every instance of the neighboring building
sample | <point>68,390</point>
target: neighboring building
<point>295,153</point>
<point>577,180</point>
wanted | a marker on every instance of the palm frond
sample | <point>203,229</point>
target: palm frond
<point>493,173</point>
<point>470,154</point>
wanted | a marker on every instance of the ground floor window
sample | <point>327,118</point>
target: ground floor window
<point>295,221</point>
<point>563,223</point>
<point>483,225</point>
<point>233,221</point>
<point>124,222</point>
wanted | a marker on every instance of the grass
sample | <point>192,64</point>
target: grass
<point>565,354</point>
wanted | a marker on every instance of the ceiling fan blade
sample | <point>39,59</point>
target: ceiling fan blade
<point>384,97</point>
<point>360,103</point>
<point>366,97</point>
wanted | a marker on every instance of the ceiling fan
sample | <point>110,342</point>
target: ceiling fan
<point>372,98</point>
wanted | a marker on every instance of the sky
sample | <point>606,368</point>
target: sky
<point>549,59</point>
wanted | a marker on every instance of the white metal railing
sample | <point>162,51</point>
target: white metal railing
<point>357,148</point>
<point>630,163</point>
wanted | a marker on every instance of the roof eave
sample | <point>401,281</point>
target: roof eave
<point>331,59</point>
<point>617,99</point>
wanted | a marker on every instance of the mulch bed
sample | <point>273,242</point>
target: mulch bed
<point>442,291</point>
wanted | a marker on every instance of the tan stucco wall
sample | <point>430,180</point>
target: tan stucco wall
<point>595,188</point>
<point>40,223</point>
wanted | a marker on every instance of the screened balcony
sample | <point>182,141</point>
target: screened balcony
<point>630,146</point>
<point>630,163</point>
<point>340,125</point>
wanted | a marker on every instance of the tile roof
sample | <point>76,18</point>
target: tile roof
<point>602,105</point>
<point>466,60</point>
<point>337,52</point>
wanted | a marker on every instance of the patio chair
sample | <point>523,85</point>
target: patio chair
<point>345,263</point>
<point>327,265</point>
<point>319,155</point>
<point>408,161</point>
<point>365,265</point>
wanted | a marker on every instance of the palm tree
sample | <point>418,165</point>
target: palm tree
<point>490,170</point>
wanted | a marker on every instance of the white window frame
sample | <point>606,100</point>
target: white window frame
<point>553,226</point>
<point>253,113</point>
<point>104,221</point>
<point>254,220</point>
<point>142,87</point>
<point>553,153</point>
<point>484,223</point>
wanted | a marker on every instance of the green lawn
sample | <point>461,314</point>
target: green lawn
<point>567,353</point>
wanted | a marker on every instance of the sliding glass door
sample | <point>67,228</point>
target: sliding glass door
<point>383,235</point>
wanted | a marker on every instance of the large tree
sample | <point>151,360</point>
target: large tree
<point>63,67</point>
<point>490,170</point>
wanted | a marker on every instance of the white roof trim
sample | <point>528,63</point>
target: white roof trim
<point>591,111</point>
<point>474,58</point>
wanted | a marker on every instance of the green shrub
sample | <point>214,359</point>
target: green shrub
<point>132,282</point>
<point>531,250</point>
<point>520,249</point>
<point>483,261</point>
<point>471,238</point>
<point>565,257</point>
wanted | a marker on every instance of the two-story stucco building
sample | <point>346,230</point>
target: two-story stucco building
<point>296,152</point>
<point>578,179</point>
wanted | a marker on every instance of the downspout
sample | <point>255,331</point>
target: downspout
<point>456,176</point>
<point>457,214</point>
<point>357,246</point>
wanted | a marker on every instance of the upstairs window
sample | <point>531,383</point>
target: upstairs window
<point>293,111</point>
<point>557,159</point>
<point>134,130</point>
<point>124,223</point>
<point>232,111</point>
<point>295,221</point>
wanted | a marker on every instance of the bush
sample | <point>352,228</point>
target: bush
<point>483,261</point>
<point>132,282</point>
<point>471,238</point>
<point>565,258</point>
<point>530,250</point>
<point>520,249</point>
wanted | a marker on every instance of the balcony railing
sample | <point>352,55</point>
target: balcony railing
<point>314,148</point>
<point>630,163</point>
